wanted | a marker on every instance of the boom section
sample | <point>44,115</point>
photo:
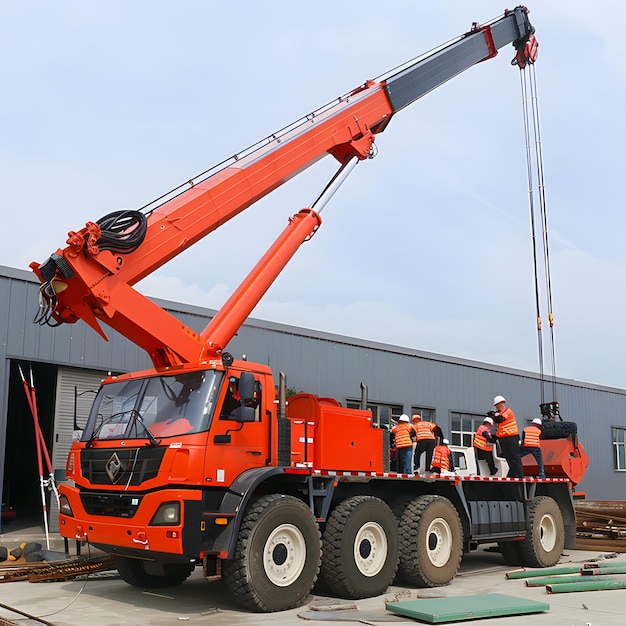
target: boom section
<point>89,281</point>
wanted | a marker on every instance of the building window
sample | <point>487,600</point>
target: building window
<point>619,443</point>
<point>382,414</point>
<point>464,426</point>
<point>428,415</point>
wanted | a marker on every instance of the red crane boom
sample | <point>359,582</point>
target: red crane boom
<point>92,278</point>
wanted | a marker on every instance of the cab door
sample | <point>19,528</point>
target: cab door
<point>235,445</point>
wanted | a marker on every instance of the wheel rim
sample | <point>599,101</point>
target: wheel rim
<point>370,549</point>
<point>439,542</point>
<point>284,555</point>
<point>548,533</point>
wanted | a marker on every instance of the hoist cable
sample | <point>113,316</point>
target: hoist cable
<point>529,171</point>
<point>529,93</point>
<point>544,220</point>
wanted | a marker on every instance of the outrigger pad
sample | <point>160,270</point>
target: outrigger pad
<point>461,608</point>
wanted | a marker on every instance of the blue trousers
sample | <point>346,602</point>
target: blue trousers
<point>536,452</point>
<point>404,460</point>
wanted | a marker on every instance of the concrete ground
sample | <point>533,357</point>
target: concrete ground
<point>104,599</point>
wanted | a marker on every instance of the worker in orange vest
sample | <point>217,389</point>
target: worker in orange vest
<point>425,441</point>
<point>402,433</point>
<point>483,444</point>
<point>442,459</point>
<point>508,436</point>
<point>531,445</point>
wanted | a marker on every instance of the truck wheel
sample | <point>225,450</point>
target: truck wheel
<point>511,552</point>
<point>431,542</point>
<point>398,506</point>
<point>277,556</point>
<point>558,430</point>
<point>360,548</point>
<point>133,572</point>
<point>545,533</point>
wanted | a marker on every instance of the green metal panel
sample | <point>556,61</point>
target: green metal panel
<point>460,608</point>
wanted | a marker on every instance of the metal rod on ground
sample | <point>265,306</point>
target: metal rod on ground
<point>589,585</point>
<point>28,615</point>
<point>548,571</point>
<point>540,581</point>
<point>39,459</point>
<point>594,571</point>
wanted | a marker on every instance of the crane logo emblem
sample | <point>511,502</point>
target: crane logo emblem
<point>113,467</point>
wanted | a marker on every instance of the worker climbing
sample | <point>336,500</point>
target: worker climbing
<point>484,438</point>
<point>530,444</point>
<point>507,434</point>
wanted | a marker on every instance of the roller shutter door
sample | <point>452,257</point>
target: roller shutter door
<point>73,386</point>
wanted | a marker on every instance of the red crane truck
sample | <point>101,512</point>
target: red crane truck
<point>197,463</point>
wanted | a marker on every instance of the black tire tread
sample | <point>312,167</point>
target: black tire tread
<point>133,572</point>
<point>235,572</point>
<point>411,569</point>
<point>558,430</point>
<point>511,553</point>
<point>333,566</point>
<point>532,554</point>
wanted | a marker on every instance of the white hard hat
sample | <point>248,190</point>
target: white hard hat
<point>488,420</point>
<point>445,442</point>
<point>538,421</point>
<point>498,399</point>
<point>404,418</point>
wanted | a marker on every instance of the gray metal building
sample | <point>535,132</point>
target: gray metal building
<point>68,362</point>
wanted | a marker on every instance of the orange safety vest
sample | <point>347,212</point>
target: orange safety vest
<point>424,430</point>
<point>480,440</point>
<point>531,437</point>
<point>507,428</point>
<point>402,431</point>
<point>441,458</point>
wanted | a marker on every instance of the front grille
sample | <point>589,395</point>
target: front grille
<point>110,504</point>
<point>121,466</point>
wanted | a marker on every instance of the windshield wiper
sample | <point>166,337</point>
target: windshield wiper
<point>135,417</point>
<point>97,429</point>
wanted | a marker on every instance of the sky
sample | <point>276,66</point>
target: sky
<point>108,105</point>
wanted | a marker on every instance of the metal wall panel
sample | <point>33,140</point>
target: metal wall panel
<point>328,365</point>
<point>74,387</point>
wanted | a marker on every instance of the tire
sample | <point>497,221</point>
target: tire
<point>545,533</point>
<point>511,552</point>
<point>134,573</point>
<point>431,542</point>
<point>558,430</point>
<point>360,548</point>
<point>277,555</point>
<point>398,506</point>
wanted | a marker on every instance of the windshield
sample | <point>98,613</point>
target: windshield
<point>160,406</point>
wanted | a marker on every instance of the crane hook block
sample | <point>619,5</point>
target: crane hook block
<point>526,54</point>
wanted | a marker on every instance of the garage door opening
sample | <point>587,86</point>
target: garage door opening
<point>20,485</point>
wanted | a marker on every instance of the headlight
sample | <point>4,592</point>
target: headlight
<point>64,506</point>
<point>168,514</point>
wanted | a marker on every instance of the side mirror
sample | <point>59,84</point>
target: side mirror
<point>245,414</point>
<point>246,388</point>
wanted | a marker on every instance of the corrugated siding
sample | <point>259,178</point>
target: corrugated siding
<point>327,365</point>
<point>70,381</point>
